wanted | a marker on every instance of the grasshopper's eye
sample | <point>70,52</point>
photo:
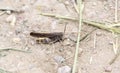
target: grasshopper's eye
<point>46,40</point>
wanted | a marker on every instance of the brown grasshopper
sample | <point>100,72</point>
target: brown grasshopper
<point>47,38</point>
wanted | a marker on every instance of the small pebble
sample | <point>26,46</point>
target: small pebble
<point>98,33</point>
<point>67,3</point>
<point>8,12</point>
<point>3,55</point>
<point>64,69</point>
<point>61,50</point>
<point>108,69</point>
<point>32,42</point>
<point>16,40</point>
<point>94,3</point>
<point>25,7</point>
<point>67,42</point>
<point>27,48</point>
<point>111,43</point>
<point>59,59</point>
<point>48,52</point>
<point>11,19</point>
<point>31,66</point>
<point>10,33</point>
<point>53,24</point>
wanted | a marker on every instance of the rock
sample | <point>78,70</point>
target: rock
<point>8,12</point>
<point>27,48</point>
<point>61,49</point>
<point>67,2</point>
<point>64,69</point>
<point>32,42</point>
<point>111,42</point>
<point>98,33</point>
<point>25,7</point>
<point>108,69</point>
<point>94,3</point>
<point>11,19</point>
<point>53,24</point>
<point>31,66</point>
<point>59,59</point>
<point>68,42</point>
<point>16,40</point>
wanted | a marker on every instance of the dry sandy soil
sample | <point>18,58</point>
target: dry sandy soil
<point>94,58</point>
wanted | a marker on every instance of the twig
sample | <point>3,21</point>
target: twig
<point>6,49</point>
<point>4,71</point>
<point>114,25</point>
<point>115,44</point>
<point>116,50</point>
<point>102,26</point>
<point>93,23</point>
<point>78,38</point>
<point>65,28</point>
<point>2,13</point>
<point>116,9</point>
<point>12,10</point>
<point>91,59</point>
<point>94,45</point>
<point>65,5</point>
<point>75,6</point>
<point>7,9</point>
<point>116,56</point>
<point>58,16</point>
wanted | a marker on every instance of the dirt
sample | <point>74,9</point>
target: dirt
<point>94,59</point>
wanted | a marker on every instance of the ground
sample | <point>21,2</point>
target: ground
<point>94,58</point>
